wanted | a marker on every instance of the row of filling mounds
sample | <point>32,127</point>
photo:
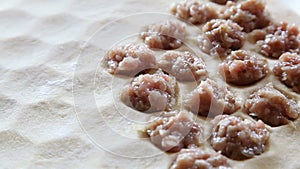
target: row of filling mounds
<point>240,67</point>
<point>155,90</point>
<point>226,27</point>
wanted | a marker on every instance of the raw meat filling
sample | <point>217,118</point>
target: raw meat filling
<point>194,12</point>
<point>211,99</point>
<point>243,68</point>
<point>167,35</point>
<point>129,59</point>
<point>288,70</point>
<point>185,66</point>
<point>221,37</point>
<point>271,106</point>
<point>239,139</point>
<point>151,92</point>
<point>197,158</point>
<point>173,131</point>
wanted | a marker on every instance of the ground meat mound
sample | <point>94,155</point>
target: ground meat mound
<point>279,38</point>
<point>167,35</point>
<point>242,68</point>
<point>222,2</point>
<point>221,37</point>
<point>194,12</point>
<point>151,92</point>
<point>185,66</point>
<point>249,14</point>
<point>173,131</point>
<point>211,99</point>
<point>271,106</point>
<point>197,158</point>
<point>288,70</point>
<point>129,59</point>
<point>239,139</point>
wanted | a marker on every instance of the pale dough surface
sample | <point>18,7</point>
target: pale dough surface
<point>45,48</point>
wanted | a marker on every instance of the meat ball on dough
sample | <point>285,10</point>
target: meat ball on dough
<point>221,37</point>
<point>185,66</point>
<point>197,158</point>
<point>280,38</point>
<point>211,99</point>
<point>271,106</point>
<point>249,14</point>
<point>173,131</point>
<point>151,92</point>
<point>243,68</point>
<point>167,35</point>
<point>288,70</point>
<point>129,59</point>
<point>194,12</point>
<point>239,139</point>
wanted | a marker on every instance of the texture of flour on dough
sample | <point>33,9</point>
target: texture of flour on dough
<point>39,45</point>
